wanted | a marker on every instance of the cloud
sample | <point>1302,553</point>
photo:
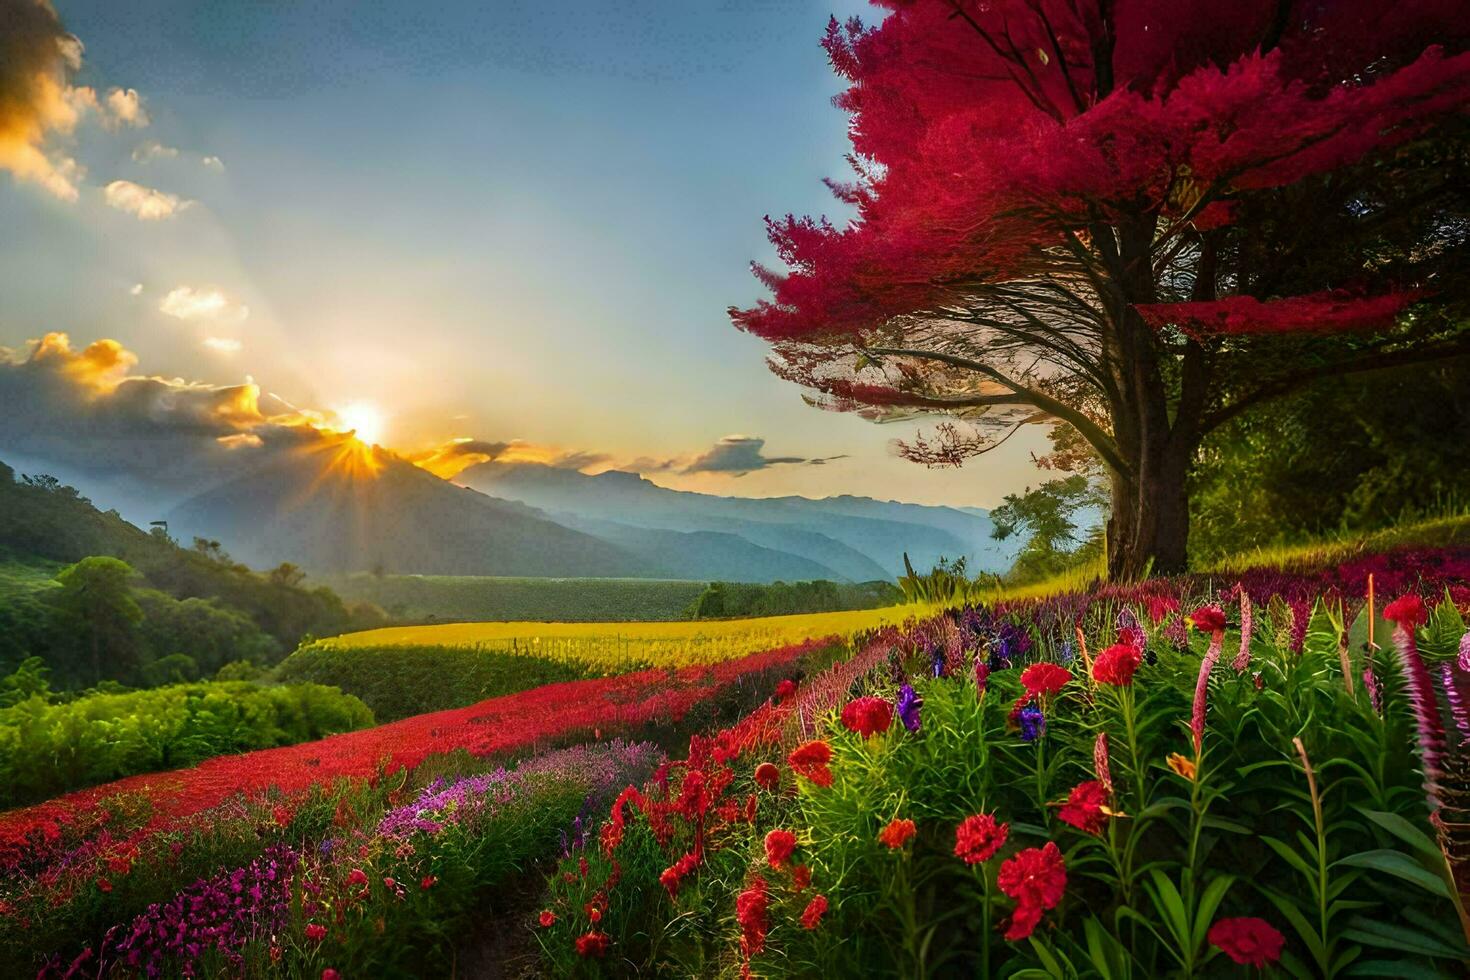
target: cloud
<point>223,345</point>
<point>738,455</point>
<point>188,303</point>
<point>37,102</point>
<point>86,412</point>
<point>144,202</point>
<point>125,108</point>
<point>153,150</point>
<point>136,289</point>
<point>212,163</point>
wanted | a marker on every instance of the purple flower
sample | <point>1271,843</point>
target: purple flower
<point>909,704</point>
<point>1032,722</point>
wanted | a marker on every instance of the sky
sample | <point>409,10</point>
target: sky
<point>488,221</point>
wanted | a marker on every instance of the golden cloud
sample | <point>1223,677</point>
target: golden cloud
<point>146,203</point>
<point>37,59</point>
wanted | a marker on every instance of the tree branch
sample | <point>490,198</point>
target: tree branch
<point>1095,435</point>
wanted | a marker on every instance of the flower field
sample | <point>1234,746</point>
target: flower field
<point>619,647</point>
<point>1182,777</point>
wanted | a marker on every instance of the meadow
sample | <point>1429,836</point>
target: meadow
<point>474,598</point>
<point>1190,776</point>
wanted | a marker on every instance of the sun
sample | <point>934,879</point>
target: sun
<point>364,419</point>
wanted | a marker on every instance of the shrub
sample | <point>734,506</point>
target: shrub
<point>396,682</point>
<point>47,749</point>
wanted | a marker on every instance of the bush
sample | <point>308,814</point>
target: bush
<point>396,682</point>
<point>48,749</point>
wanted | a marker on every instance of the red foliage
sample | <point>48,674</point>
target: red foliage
<point>987,153</point>
<point>1327,312</point>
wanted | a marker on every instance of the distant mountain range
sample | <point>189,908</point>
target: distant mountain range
<point>855,538</point>
<point>342,508</point>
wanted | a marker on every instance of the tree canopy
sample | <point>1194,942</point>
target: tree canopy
<point>1136,220</point>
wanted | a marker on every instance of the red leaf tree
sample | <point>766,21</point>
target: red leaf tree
<point>1130,220</point>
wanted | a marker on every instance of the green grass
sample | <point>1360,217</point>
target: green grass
<point>1437,532</point>
<point>475,598</point>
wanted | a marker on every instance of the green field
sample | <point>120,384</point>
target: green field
<point>459,598</point>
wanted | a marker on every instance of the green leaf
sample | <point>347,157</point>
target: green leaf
<point>1405,831</point>
<point>1204,916</point>
<point>1400,865</point>
<point>1384,935</point>
<point>1290,856</point>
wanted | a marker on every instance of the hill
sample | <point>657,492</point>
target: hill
<point>857,538</point>
<point>45,525</point>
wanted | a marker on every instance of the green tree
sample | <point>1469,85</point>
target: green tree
<point>96,595</point>
<point>1048,516</point>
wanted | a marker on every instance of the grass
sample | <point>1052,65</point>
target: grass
<point>474,598</point>
<point>619,646</point>
<point>1449,530</point>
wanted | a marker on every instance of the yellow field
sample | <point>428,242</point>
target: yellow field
<point>623,646</point>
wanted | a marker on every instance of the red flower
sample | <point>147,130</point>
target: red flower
<point>331,974</point>
<point>428,882</point>
<point>1248,941</point>
<point>1041,679</point>
<point>801,877</point>
<point>120,865</point>
<point>594,913</point>
<point>281,816</point>
<point>785,689</point>
<point>811,760</point>
<point>1132,636</point>
<point>867,715</point>
<point>977,838</point>
<point>1407,611</point>
<point>103,885</point>
<point>897,833</point>
<point>751,908</point>
<point>779,845</point>
<point>357,878</point>
<point>1116,665</point>
<point>1159,607</point>
<point>316,932</point>
<point>767,776</point>
<point>1036,879</point>
<point>1084,807</point>
<point>593,944</point>
<point>811,916</point>
<point>1208,619</point>
<point>548,918</point>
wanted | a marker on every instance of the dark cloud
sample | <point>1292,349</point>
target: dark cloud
<point>738,455</point>
<point>84,414</point>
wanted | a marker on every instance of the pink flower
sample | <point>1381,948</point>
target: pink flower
<point>1248,941</point>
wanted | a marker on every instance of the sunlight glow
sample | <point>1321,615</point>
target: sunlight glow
<point>364,419</point>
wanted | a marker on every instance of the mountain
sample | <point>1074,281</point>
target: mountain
<point>857,537</point>
<point>346,508</point>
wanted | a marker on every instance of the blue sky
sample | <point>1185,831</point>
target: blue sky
<point>493,220</point>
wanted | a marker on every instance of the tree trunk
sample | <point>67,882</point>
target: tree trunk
<point>1148,531</point>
